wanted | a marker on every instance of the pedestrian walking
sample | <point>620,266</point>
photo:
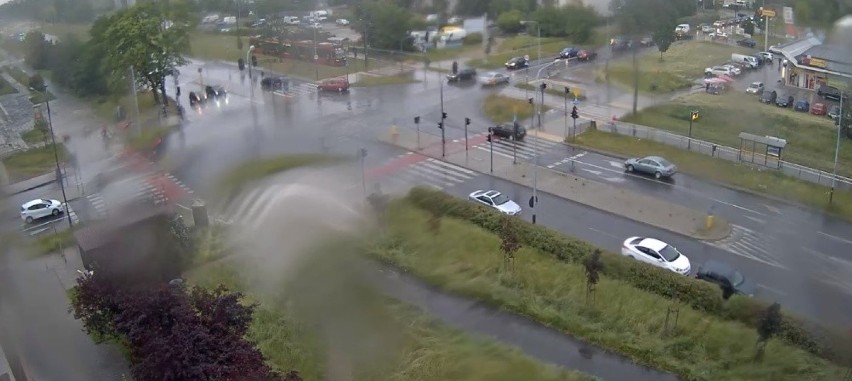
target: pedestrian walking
<point>455,67</point>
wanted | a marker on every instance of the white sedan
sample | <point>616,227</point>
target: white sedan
<point>496,200</point>
<point>342,22</point>
<point>40,208</point>
<point>494,78</point>
<point>657,253</point>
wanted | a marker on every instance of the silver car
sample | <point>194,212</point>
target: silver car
<point>652,165</point>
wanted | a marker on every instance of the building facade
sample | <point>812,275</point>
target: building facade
<point>809,64</point>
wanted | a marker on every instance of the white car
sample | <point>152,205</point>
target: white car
<point>755,88</point>
<point>494,78</point>
<point>497,201</point>
<point>342,21</point>
<point>40,208</point>
<point>735,70</point>
<point>719,70</point>
<point>657,253</point>
<point>766,56</point>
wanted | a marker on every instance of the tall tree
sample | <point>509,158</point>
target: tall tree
<point>145,38</point>
<point>571,21</point>
<point>387,24</point>
<point>593,266</point>
<point>664,36</point>
<point>36,50</point>
<point>509,242</point>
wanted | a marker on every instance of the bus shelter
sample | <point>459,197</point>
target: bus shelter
<point>762,150</point>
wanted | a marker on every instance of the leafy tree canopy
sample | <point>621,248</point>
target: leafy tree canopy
<point>387,24</point>
<point>571,21</point>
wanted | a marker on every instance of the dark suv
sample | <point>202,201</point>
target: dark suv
<point>462,75</point>
<point>215,92</point>
<point>830,92</point>
<point>275,83</point>
<point>508,131</point>
<point>768,97</point>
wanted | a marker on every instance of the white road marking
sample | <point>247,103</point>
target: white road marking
<point>755,219</point>
<point>738,207</point>
<point>598,173</point>
<point>835,237</point>
<point>772,209</point>
<point>616,164</point>
<point>604,233</point>
<point>615,179</point>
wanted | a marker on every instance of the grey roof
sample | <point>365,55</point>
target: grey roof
<point>768,140</point>
<point>838,58</point>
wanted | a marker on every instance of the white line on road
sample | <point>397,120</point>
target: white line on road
<point>738,207</point>
<point>835,237</point>
<point>605,233</point>
<point>773,209</point>
<point>616,164</point>
<point>598,173</point>
<point>755,219</point>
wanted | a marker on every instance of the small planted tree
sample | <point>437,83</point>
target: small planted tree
<point>510,243</point>
<point>593,266</point>
<point>434,222</point>
<point>768,326</point>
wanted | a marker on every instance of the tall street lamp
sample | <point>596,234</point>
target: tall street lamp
<point>542,87</point>
<point>316,56</point>
<point>837,149</point>
<point>59,176</point>
<point>249,63</point>
<point>538,49</point>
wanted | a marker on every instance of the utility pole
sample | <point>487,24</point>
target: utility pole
<point>56,157</point>
<point>443,118</point>
<point>534,199</point>
<point>491,142</point>
<point>316,57</point>
<point>136,126</point>
<point>366,23</point>
<point>466,123</point>
<point>565,130</point>
<point>836,149</point>
<point>514,140</point>
<point>693,116</point>
<point>417,126</point>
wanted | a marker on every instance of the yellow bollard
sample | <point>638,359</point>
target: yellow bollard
<point>394,133</point>
<point>708,222</point>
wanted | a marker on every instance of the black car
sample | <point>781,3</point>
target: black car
<point>517,63</point>
<point>747,42</point>
<point>731,281</point>
<point>462,75</point>
<point>784,101</point>
<point>275,83</point>
<point>569,53</point>
<point>768,97</point>
<point>195,99</point>
<point>620,43</point>
<point>215,92</point>
<point>646,41</point>
<point>508,131</point>
<point>802,106</point>
<point>831,92</point>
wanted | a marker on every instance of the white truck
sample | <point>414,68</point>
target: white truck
<point>750,61</point>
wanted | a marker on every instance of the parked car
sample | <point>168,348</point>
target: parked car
<point>40,208</point>
<point>707,29</point>
<point>646,41</point>
<point>769,97</point>
<point>215,92</point>
<point>496,200</point>
<point>818,108</point>
<point>569,53</point>
<point>341,22</point>
<point>517,63</point>
<point>334,84</point>
<point>620,43</point>
<point>715,89</point>
<point>275,83</point>
<point>831,92</point>
<point>587,55</point>
<point>755,88</point>
<point>802,105</point>
<point>725,277</point>
<point>834,112</point>
<point>462,75</point>
<point>784,101</point>
<point>765,56</point>
<point>652,165</point>
<point>733,68</point>
<point>718,36</point>
<point>747,42</point>
<point>719,70</point>
<point>508,131</point>
<point>656,253</point>
<point>494,78</point>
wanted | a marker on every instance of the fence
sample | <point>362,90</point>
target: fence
<point>723,152</point>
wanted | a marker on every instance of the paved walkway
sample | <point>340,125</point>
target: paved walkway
<point>645,209</point>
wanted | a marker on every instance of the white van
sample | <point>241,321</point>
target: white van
<point>682,29</point>
<point>748,60</point>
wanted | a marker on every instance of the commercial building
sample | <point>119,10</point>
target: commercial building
<point>809,63</point>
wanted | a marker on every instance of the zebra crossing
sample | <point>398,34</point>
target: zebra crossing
<point>430,172</point>
<point>295,91</point>
<point>135,189</point>
<point>525,149</point>
<point>747,243</point>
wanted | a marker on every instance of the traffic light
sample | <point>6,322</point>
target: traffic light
<point>466,121</point>
<point>416,120</point>
<point>574,113</point>
<point>693,116</point>
<point>241,63</point>
<point>543,86</point>
<point>488,138</point>
<point>441,125</point>
<point>567,90</point>
<point>530,100</point>
<point>363,152</point>
<point>443,115</point>
<point>253,60</point>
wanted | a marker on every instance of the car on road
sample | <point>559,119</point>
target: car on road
<point>40,208</point>
<point>494,78</point>
<point>831,92</point>
<point>496,200</point>
<point>755,88</point>
<point>275,83</point>
<point>652,165</point>
<point>215,91</point>
<point>722,36</point>
<point>802,105</point>
<point>587,55</point>
<point>517,63</point>
<point>784,101</point>
<point>766,56</point>
<point>834,112</point>
<point>341,22</point>
<point>620,43</point>
<point>569,53</point>
<point>747,42</point>
<point>646,42</point>
<point>338,85</point>
<point>818,109</point>
<point>656,253</point>
<point>769,97</point>
<point>466,74</point>
<point>195,99</point>
<point>725,276</point>
<point>509,131</point>
<point>707,29</point>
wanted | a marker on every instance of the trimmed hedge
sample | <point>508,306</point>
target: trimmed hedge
<point>828,343</point>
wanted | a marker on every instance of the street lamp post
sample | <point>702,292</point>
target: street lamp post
<point>836,150</point>
<point>59,176</point>
<point>316,56</point>
<point>538,49</point>
<point>542,87</point>
<point>565,129</point>
<point>248,55</point>
<point>443,118</point>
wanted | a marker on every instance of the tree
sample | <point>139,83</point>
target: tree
<point>472,7</point>
<point>147,39</point>
<point>387,24</point>
<point>510,21</point>
<point>36,82</point>
<point>663,37</point>
<point>820,14</point>
<point>509,242</point>
<point>748,27</point>
<point>498,7</point>
<point>593,266</point>
<point>36,50</point>
<point>768,326</point>
<point>571,21</point>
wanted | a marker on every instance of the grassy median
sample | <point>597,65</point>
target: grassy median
<point>33,162</point>
<point>811,139</point>
<point>385,80</point>
<point>386,340</point>
<point>503,109</point>
<point>765,181</point>
<point>465,259</point>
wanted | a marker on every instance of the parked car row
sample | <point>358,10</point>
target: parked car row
<point>788,101</point>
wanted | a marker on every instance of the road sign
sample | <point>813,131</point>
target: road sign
<point>316,57</point>
<point>767,12</point>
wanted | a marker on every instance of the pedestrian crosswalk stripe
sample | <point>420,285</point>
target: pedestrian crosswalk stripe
<point>496,152</point>
<point>440,171</point>
<point>430,175</point>
<point>451,165</point>
<point>257,201</point>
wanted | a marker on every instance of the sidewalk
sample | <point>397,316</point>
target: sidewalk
<point>600,196</point>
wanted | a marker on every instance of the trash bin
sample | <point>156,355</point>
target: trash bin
<point>199,214</point>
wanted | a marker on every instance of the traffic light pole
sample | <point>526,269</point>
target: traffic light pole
<point>491,141</point>
<point>689,138</point>
<point>417,126</point>
<point>443,136</point>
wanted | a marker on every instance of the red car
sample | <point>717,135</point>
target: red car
<point>334,84</point>
<point>586,55</point>
<point>818,109</point>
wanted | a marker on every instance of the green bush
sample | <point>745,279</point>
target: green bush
<point>472,39</point>
<point>822,341</point>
